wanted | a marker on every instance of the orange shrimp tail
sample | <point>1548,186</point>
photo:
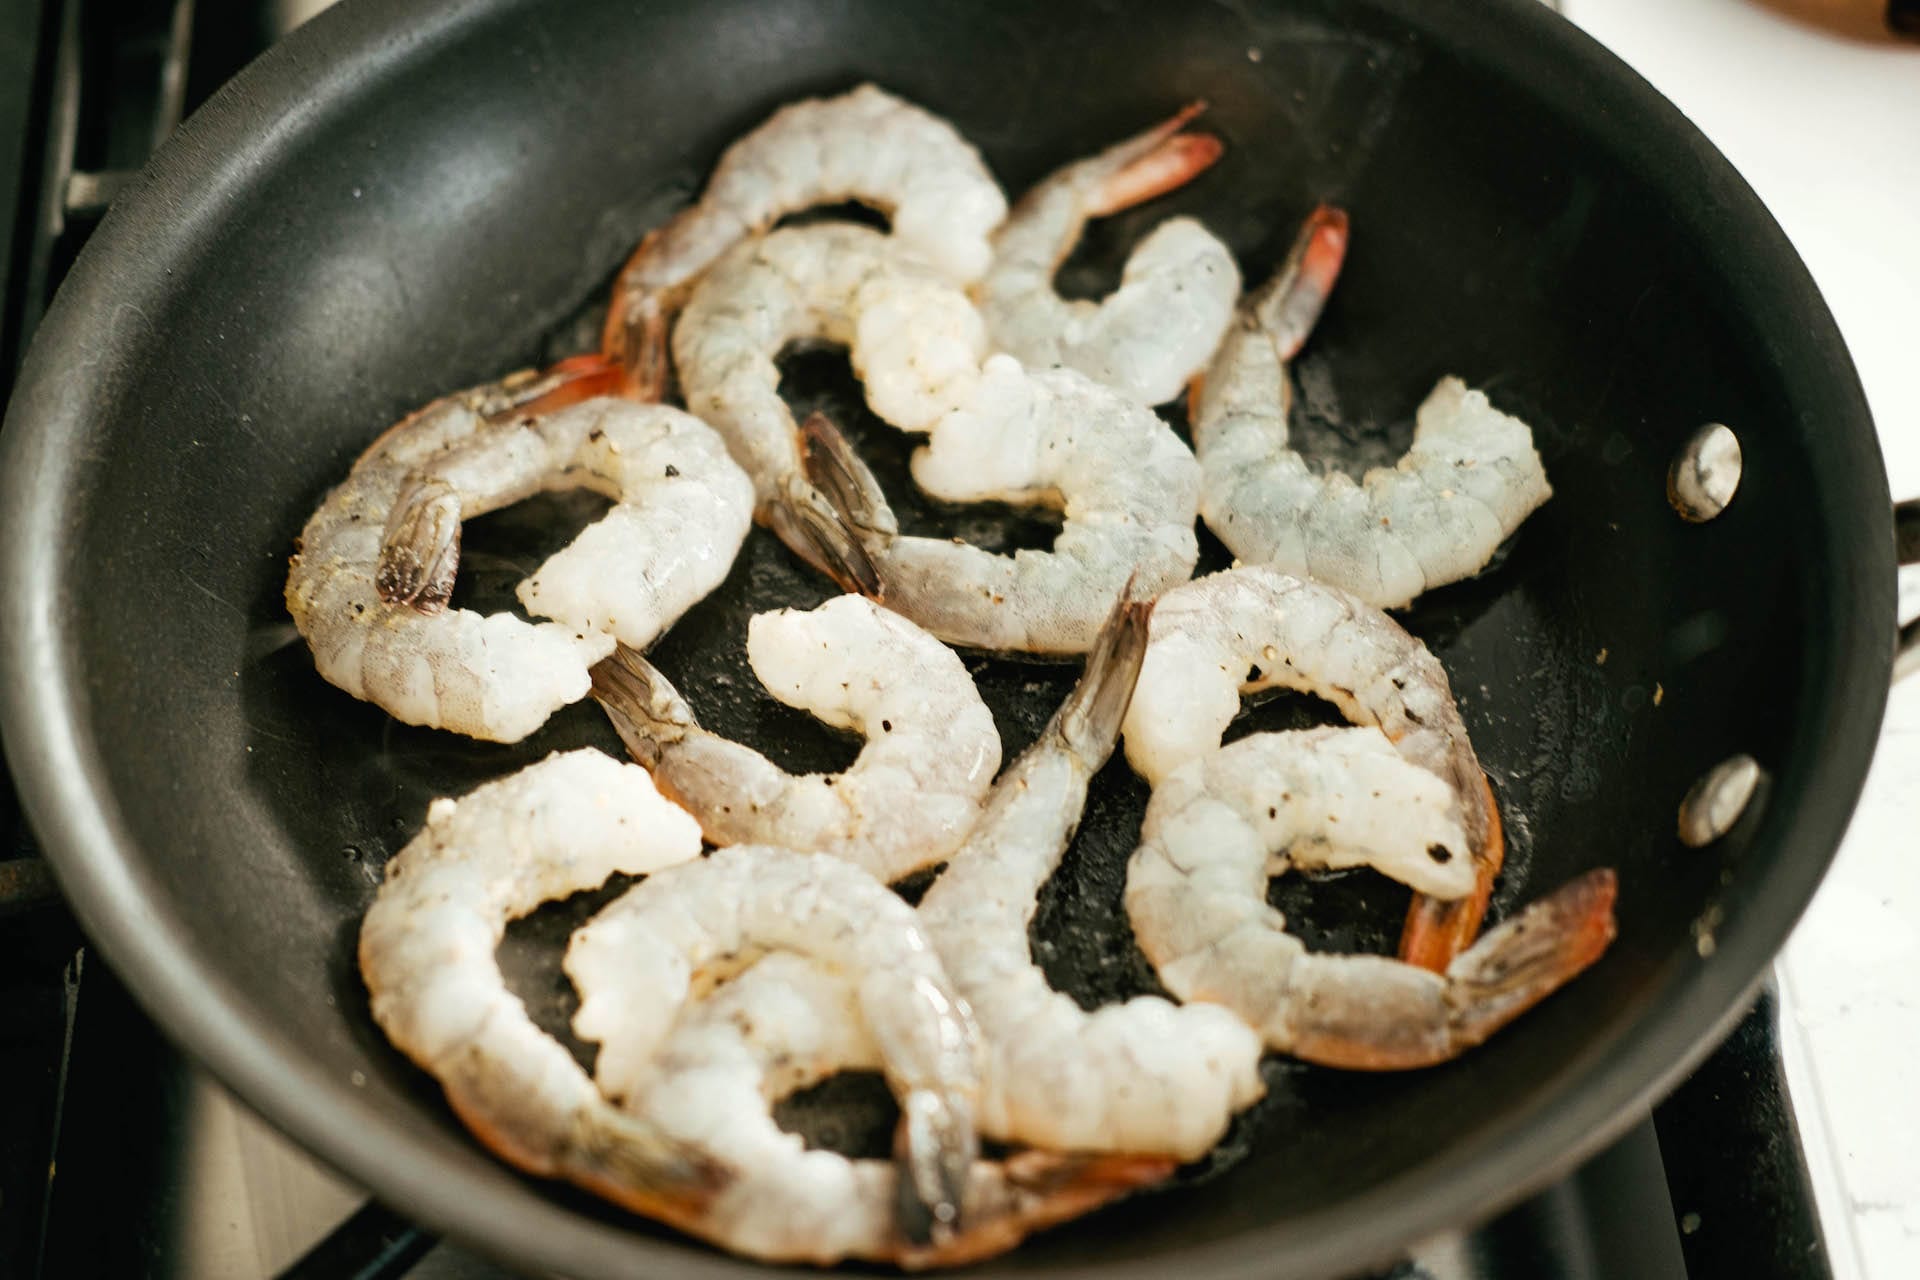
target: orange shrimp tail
<point>1437,930</point>
<point>574,380</point>
<point>1289,305</point>
<point>1047,1188</point>
<point>1154,163</point>
<point>635,334</point>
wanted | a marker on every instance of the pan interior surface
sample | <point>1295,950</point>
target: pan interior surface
<point>401,202</point>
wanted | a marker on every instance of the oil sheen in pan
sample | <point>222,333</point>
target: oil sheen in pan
<point>1080,934</point>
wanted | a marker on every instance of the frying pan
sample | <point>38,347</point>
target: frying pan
<point>406,198</point>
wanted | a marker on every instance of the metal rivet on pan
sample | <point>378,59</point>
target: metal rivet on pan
<point>1717,800</point>
<point>1701,481</point>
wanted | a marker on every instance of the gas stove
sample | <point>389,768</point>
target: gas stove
<point>119,1157</point>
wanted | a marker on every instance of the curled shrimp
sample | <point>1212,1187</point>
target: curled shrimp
<point>1255,628</point>
<point>909,799</point>
<point>785,1024</point>
<point>640,961</point>
<point>1177,291</point>
<point>370,584</point>
<point>1468,481</point>
<point>865,145</point>
<point>427,953</point>
<point>1125,484</point>
<point>915,339</point>
<point>1197,896</point>
<point>1143,1076</point>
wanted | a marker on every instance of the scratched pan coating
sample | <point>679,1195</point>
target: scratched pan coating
<point>407,198</point>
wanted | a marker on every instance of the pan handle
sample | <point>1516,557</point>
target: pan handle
<point>1906,546</point>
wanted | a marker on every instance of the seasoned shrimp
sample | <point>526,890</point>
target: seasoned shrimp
<point>1468,481</point>
<point>1144,1076</point>
<point>1197,897</point>
<point>1256,628</point>
<point>904,804</point>
<point>866,145</point>
<point>640,961</point>
<point>788,1023</point>
<point>915,339</point>
<point>369,586</point>
<point>1177,291</point>
<point>1126,485</point>
<point>427,954</point>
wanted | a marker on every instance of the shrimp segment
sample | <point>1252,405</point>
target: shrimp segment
<point>906,803</point>
<point>1144,1076</point>
<point>369,585</point>
<point>1196,894</point>
<point>1177,291</point>
<point>640,961</point>
<point>914,338</point>
<point>427,954</point>
<point>1125,483</point>
<point>1469,480</point>
<point>865,145</point>
<point>785,1024</point>
<point>1257,628</point>
<point>681,512</point>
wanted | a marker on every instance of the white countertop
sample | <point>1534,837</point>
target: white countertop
<point>1827,130</point>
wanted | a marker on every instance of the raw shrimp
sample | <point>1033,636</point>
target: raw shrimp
<point>915,340</point>
<point>1177,291</point>
<point>1144,1076</point>
<point>1126,485</point>
<point>904,804</point>
<point>785,1024</point>
<point>640,961</point>
<point>1197,897</point>
<point>866,145</point>
<point>427,954</point>
<point>1469,479</point>
<point>369,585</point>
<point>1257,628</point>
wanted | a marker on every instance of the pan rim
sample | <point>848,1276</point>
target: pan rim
<point>61,774</point>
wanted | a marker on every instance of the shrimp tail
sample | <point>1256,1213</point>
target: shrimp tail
<point>1090,718</point>
<point>1151,164</point>
<point>1525,959</point>
<point>635,336</point>
<point>813,528</point>
<point>1365,1013</point>
<point>1040,1189</point>
<point>627,1161</point>
<point>646,710</point>
<point>420,549</point>
<point>858,523</point>
<point>934,1146</point>
<point>1289,305</point>
<point>840,473</point>
<point>1437,930</point>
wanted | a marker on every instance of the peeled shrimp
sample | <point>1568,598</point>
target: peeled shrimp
<point>1144,1076</point>
<point>1124,482</point>
<point>640,961</point>
<point>1469,480</point>
<point>1197,897</point>
<point>1177,291</point>
<point>866,145</point>
<point>915,340</point>
<point>427,954</point>
<point>904,804</point>
<point>370,584</point>
<point>1256,628</point>
<point>785,1024</point>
